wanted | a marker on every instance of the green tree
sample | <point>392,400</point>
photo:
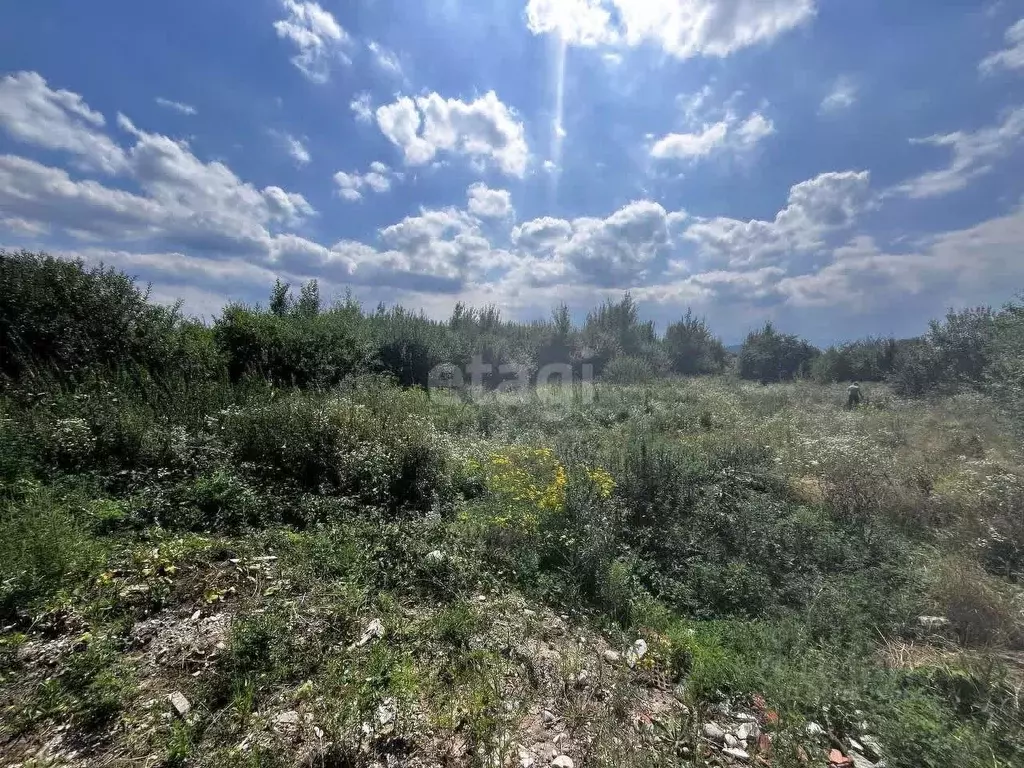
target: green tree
<point>308,304</point>
<point>692,348</point>
<point>280,298</point>
<point>768,355</point>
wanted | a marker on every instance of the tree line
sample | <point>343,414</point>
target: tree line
<point>61,317</point>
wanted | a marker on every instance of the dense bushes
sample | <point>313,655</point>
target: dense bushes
<point>691,347</point>
<point>335,446</point>
<point>865,360</point>
<point>768,355</point>
<point>60,317</point>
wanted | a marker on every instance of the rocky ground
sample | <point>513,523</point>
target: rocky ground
<point>491,681</point>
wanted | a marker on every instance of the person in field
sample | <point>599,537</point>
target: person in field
<point>853,395</point>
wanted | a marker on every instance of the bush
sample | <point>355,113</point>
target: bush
<point>61,317</point>
<point>45,545</point>
<point>629,370</point>
<point>691,347</point>
<point>333,445</point>
<point>303,349</point>
<point>768,355</point>
<point>978,611</point>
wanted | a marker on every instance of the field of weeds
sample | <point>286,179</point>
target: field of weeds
<point>696,571</point>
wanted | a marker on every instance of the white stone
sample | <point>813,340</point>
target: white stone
<point>748,731</point>
<point>636,653</point>
<point>859,761</point>
<point>180,703</point>
<point>731,741</point>
<point>563,761</point>
<point>374,631</point>
<point>386,712</point>
<point>814,730</point>
<point>548,716</point>
<point>612,657</point>
<point>437,556</point>
<point>714,732</point>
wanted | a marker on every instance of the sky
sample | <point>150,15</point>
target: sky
<point>841,168</point>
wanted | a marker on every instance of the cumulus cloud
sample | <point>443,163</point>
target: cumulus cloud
<point>973,155</point>
<point>33,113</point>
<point>443,245</point>
<point>682,28</point>
<point>321,41</point>
<point>541,235</point>
<point>826,203</point>
<point>487,202</point>
<point>484,130</point>
<point>182,202</point>
<point>176,106</point>
<point>351,185</point>
<point>727,135</point>
<point>842,96</point>
<point>619,250</point>
<point>965,266</point>
<point>1011,57</point>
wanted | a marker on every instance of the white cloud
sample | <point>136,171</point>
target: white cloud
<point>678,146</point>
<point>444,245</point>
<point>176,106</point>
<point>693,104</point>
<point>960,267</point>
<point>348,185</point>
<point>295,148</point>
<point>183,202</point>
<point>1011,57</point>
<point>385,59</point>
<point>318,36</point>
<point>842,96</point>
<point>489,203</point>
<point>484,129</point>
<point>33,113</point>
<point>973,155</point>
<point>826,203</point>
<point>728,134</point>
<point>362,108</point>
<point>753,129</point>
<point>378,179</point>
<point>682,28</point>
<point>541,235</point>
<point>619,250</point>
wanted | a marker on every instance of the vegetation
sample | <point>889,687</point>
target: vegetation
<point>271,518</point>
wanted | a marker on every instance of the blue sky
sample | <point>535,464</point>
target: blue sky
<point>841,168</point>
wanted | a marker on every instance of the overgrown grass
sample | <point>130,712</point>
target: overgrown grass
<point>766,542</point>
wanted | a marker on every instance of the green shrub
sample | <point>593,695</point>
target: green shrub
<point>60,316</point>
<point>768,355</point>
<point>691,347</point>
<point>45,545</point>
<point>331,444</point>
<point>629,370</point>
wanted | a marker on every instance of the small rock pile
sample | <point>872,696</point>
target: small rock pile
<point>737,734</point>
